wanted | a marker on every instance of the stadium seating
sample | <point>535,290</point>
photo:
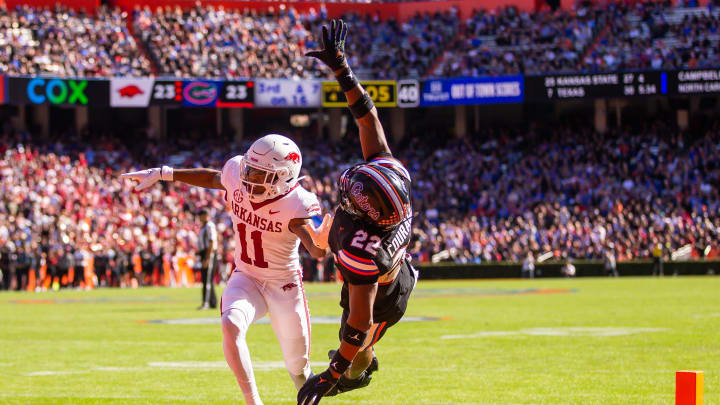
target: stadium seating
<point>216,42</point>
<point>491,197</point>
<point>204,42</point>
<point>63,42</point>
<point>650,36</point>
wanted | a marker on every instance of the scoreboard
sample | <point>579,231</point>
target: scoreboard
<point>382,92</point>
<point>595,85</point>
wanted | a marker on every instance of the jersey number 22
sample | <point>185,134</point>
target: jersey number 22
<point>359,242</point>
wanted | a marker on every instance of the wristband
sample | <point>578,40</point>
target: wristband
<point>166,173</point>
<point>361,107</point>
<point>347,79</point>
<point>339,363</point>
<point>353,336</point>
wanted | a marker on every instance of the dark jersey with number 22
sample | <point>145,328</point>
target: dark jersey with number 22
<point>365,254</point>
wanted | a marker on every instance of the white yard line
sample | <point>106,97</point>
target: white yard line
<point>561,331</point>
<point>175,365</point>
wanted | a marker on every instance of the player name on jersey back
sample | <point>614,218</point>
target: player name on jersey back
<point>400,239</point>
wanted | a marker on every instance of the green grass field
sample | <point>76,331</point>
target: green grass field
<point>584,341</point>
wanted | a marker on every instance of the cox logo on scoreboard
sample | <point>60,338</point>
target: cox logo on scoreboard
<point>58,91</point>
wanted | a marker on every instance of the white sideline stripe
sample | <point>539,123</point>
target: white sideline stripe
<point>43,373</point>
<point>713,315</point>
<point>569,331</point>
<point>176,365</point>
<point>257,365</point>
<point>315,320</point>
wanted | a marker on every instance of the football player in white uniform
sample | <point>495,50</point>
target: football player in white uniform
<point>271,215</point>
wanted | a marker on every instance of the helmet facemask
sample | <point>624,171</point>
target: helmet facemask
<point>258,182</point>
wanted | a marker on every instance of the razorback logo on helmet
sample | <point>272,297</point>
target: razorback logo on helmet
<point>362,201</point>
<point>130,91</point>
<point>293,156</point>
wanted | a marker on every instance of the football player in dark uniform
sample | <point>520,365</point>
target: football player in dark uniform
<point>369,235</point>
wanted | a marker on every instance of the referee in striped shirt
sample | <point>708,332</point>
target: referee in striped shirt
<point>207,245</point>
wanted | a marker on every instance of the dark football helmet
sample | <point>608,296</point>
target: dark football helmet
<point>376,194</point>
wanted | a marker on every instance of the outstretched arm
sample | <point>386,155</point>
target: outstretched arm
<point>314,239</point>
<point>372,135</point>
<point>201,177</point>
<point>207,178</point>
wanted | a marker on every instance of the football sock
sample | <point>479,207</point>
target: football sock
<point>237,356</point>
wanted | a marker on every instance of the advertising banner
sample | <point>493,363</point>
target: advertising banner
<point>706,81</point>
<point>472,90</point>
<point>287,93</point>
<point>80,92</point>
<point>382,92</point>
<point>237,94</point>
<point>131,92</point>
<point>595,85</point>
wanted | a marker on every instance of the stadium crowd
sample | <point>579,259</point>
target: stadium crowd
<point>205,41</point>
<point>507,41</point>
<point>209,42</point>
<point>494,196</point>
<point>656,36</point>
<point>63,42</point>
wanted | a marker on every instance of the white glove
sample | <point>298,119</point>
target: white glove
<point>320,234</point>
<point>148,177</point>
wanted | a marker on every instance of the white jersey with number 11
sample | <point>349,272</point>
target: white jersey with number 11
<point>265,248</point>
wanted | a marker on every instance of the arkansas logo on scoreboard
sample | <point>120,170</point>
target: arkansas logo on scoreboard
<point>130,92</point>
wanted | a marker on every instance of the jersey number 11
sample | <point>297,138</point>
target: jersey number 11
<point>256,237</point>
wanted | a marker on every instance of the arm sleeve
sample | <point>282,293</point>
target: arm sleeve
<point>356,266</point>
<point>230,169</point>
<point>309,206</point>
<point>225,174</point>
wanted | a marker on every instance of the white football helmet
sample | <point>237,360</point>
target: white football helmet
<point>271,167</point>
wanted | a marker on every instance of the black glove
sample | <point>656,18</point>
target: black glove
<point>315,388</point>
<point>333,52</point>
